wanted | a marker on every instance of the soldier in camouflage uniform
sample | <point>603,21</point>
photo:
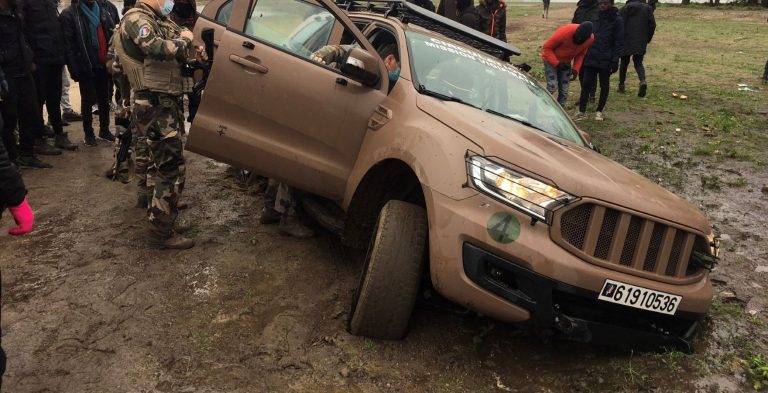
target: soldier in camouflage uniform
<point>151,50</point>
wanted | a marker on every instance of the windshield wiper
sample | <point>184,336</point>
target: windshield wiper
<point>423,90</point>
<point>523,122</point>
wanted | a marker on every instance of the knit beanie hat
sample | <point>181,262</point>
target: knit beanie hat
<point>583,32</point>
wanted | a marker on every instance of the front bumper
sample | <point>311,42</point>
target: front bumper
<point>575,313</point>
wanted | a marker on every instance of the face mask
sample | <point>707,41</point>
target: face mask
<point>166,8</point>
<point>394,75</point>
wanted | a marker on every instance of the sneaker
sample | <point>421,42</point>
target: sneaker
<point>643,89</point>
<point>90,140</point>
<point>599,116</point>
<point>175,242</point>
<point>621,88</point>
<point>95,109</point>
<point>106,135</point>
<point>71,116</point>
<point>269,216</point>
<point>44,149</point>
<point>291,226</point>
<point>579,116</point>
<point>32,162</point>
<point>62,142</point>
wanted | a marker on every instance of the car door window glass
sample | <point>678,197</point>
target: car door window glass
<point>224,13</point>
<point>296,26</point>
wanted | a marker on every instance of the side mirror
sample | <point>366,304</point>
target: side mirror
<point>361,66</point>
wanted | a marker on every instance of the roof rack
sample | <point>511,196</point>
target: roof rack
<point>413,14</point>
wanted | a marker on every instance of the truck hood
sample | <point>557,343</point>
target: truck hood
<point>575,169</point>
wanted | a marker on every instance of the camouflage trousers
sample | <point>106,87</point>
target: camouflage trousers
<point>160,127</point>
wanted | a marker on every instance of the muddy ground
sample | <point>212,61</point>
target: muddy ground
<point>86,308</point>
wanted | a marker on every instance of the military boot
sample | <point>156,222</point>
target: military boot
<point>44,149</point>
<point>181,227</point>
<point>63,142</point>
<point>291,226</point>
<point>269,216</point>
<point>175,242</point>
<point>141,202</point>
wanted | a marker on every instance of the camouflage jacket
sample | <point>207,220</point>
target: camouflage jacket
<point>145,33</point>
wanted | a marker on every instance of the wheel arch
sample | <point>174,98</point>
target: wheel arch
<point>388,179</point>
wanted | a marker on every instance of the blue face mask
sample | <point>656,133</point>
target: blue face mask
<point>166,8</point>
<point>394,75</point>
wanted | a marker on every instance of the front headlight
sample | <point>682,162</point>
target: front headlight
<point>524,193</point>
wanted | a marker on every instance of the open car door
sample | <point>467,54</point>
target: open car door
<point>268,107</point>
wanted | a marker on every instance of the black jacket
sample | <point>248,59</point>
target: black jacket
<point>43,31</point>
<point>427,4</point>
<point>609,39</point>
<point>639,26</point>
<point>12,190</point>
<point>470,18</point>
<point>493,18</point>
<point>15,54</point>
<point>585,11</point>
<point>82,57</point>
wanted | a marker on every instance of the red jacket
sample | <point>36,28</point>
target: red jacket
<point>560,47</point>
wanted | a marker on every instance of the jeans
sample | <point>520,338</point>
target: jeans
<point>21,106</point>
<point>590,84</point>
<point>638,61</point>
<point>557,80</point>
<point>95,90</point>
<point>66,106</point>
<point>49,84</point>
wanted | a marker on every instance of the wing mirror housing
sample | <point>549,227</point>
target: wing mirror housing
<point>361,66</point>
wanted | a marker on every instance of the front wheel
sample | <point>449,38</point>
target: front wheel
<point>389,284</point>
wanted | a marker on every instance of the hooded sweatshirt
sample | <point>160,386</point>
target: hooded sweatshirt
<point>561,48</point>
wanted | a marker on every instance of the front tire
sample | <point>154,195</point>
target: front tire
<point>389,284</point>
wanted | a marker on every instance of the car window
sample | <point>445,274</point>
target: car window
<point>225,12</point>
<point>296,26</point>
<point>486,83</point>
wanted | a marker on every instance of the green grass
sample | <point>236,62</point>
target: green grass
<point>756,368</point>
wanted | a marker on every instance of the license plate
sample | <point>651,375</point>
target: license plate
<point>639,297</point>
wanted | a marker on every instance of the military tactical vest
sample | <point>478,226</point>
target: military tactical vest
<point>146,73</point>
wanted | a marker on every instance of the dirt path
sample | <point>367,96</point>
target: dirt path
<point>87,309</point>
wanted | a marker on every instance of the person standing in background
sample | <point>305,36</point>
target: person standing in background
<point>545,13</point>
<point>19,104</point>
<point>569,44</point>
<point>426,4</point>
<point>184,14</point>
<point>493,18</point>
<point>45,36</point>
<point>87,29</point>
<point>639,26</point>
<point>585,11</point>
<point>602,59</point>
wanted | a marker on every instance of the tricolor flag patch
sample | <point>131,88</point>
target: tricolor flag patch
<point>143,31</point>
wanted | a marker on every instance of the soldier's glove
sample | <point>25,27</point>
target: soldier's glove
<point>24,217</point>
<point>574,75</point>
<point>614,67</point>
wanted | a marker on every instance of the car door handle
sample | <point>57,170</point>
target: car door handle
<point>248,64</point>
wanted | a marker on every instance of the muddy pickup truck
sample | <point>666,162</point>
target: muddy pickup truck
<point>463,173</point>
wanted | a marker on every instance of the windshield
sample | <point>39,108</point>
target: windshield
<point>443,69</point>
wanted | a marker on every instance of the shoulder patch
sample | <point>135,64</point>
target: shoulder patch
<point>144,31</point>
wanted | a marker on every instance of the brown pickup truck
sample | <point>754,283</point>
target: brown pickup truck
<point>462,170</point>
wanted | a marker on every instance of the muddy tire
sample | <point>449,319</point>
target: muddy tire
<point>384,299</point>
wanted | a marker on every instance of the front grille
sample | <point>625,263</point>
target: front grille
<point>625,241</point>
